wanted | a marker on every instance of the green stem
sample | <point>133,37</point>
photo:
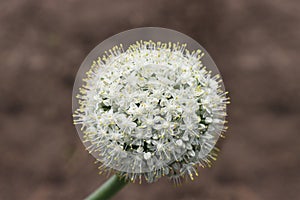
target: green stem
<point>108,189</point>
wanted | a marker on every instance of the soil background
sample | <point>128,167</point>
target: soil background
<point>254,43</point>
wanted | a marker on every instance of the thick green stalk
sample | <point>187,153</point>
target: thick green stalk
<point>108,189</point>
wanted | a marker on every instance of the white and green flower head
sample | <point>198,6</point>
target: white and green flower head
<point>151,109</point>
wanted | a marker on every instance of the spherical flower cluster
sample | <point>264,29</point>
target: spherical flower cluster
<point>151,110</point>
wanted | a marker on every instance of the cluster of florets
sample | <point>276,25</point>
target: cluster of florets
<point>151,110</point>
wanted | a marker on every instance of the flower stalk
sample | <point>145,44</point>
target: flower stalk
<point>108,189</point>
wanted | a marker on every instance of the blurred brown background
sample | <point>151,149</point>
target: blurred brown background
<point>255,44</point>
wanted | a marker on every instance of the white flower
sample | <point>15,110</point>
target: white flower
<point>152,110</point>
<point>147,155</point>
